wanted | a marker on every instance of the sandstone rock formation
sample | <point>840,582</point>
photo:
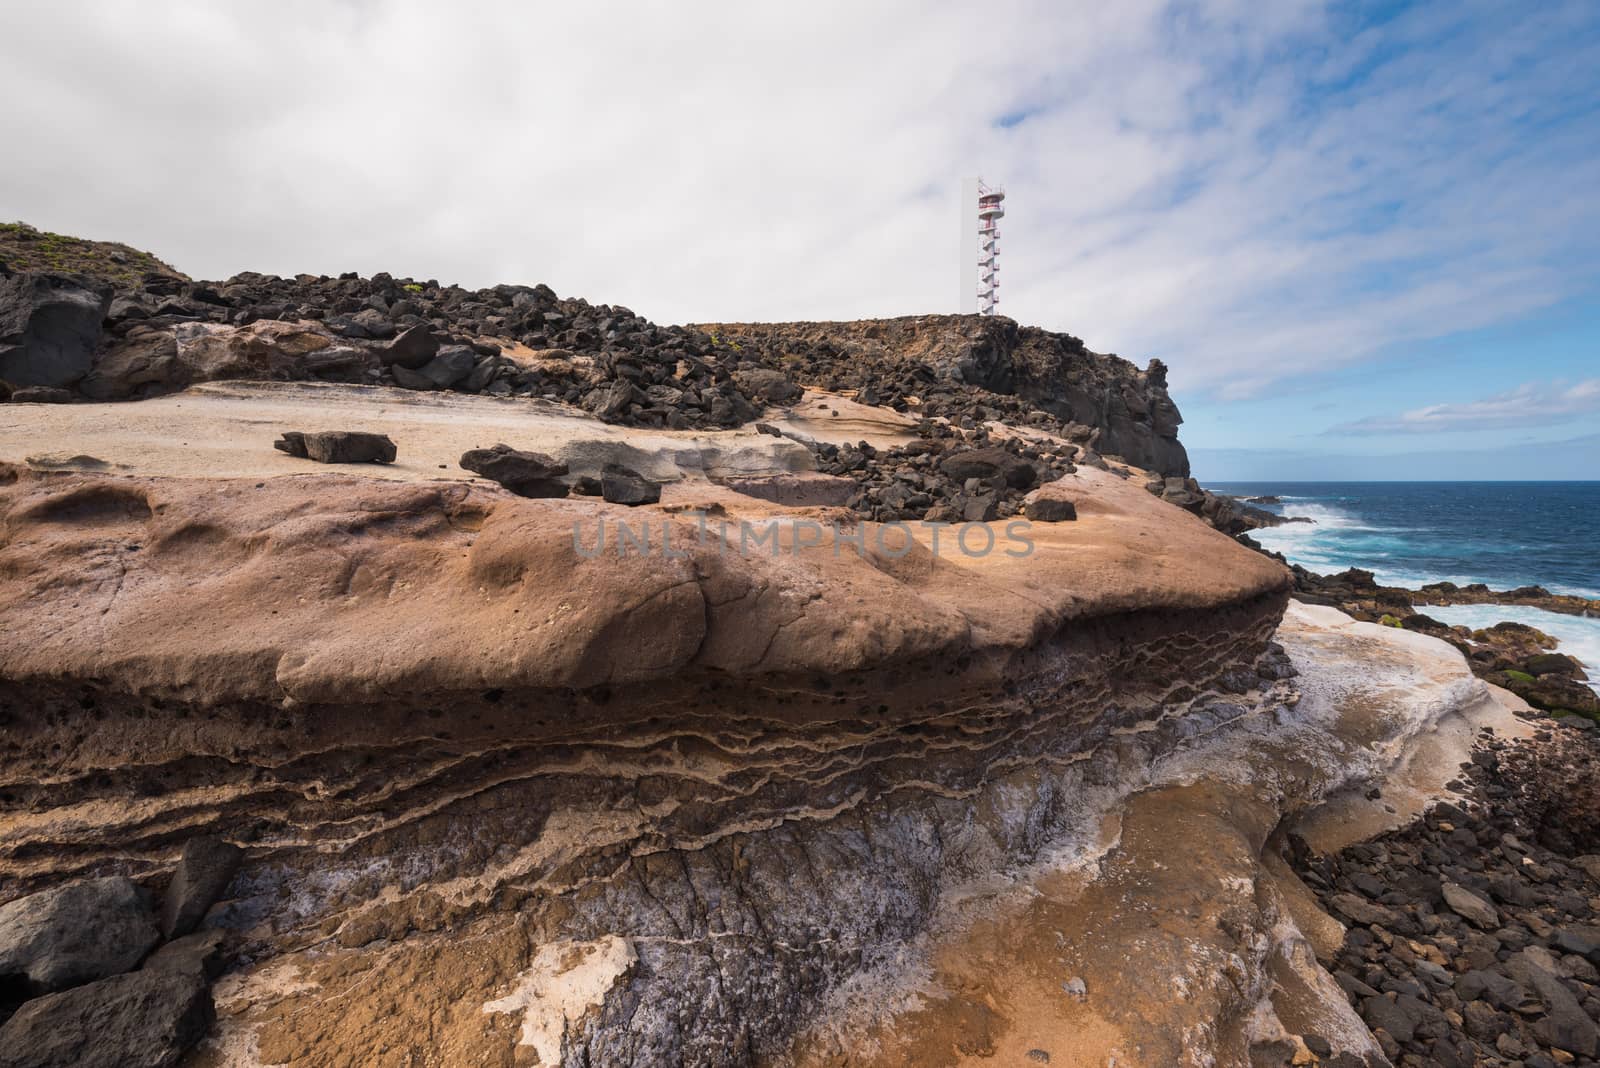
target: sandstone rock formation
<point>421,712</point>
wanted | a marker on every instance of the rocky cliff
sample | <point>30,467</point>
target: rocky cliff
<point>394,674</point>
<point>975,368</point>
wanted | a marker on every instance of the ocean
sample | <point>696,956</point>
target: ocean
<point>1505,534</point>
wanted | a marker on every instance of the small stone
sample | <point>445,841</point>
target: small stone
<point>1076,988</point>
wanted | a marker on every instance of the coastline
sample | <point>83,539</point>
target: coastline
<point>1539,639</point>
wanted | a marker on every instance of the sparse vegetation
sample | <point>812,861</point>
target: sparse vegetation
<point>24,248</point>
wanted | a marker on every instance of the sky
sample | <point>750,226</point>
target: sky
<point>1364,237</point>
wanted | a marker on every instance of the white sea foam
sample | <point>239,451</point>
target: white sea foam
<point>1334,539</point>
<point>1579,635</point>
<point>1337,539</point>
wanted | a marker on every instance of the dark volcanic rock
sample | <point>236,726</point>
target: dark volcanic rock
<point>621,485</point>
<point>206,868</point>
<point>145,357</point>
<point>768,386</point>
<point>1553,664</point>
<point>49,327</point>
<point>979,367</point>
<point>73,934</point>
<point>451,366</point>
<point>990,463</point>
<point>527,474</point>
<point>1469,983</point>
<point>797,491</point>
<point>199,952</point>
<point>412,349</point>
<point>1051,510</point>
<point>143,1019</point>
<point>338,446</point>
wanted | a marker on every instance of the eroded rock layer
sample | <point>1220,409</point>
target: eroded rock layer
<point>642,809</point>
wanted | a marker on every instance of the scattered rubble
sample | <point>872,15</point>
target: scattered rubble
<point>1474,932</point>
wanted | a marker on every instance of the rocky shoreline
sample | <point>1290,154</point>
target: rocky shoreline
<point>1474,931</point>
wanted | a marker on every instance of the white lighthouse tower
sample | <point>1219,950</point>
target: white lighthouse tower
<point>982,207</point>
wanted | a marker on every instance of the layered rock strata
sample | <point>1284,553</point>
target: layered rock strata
<point>1170,930</point>
<point>624,808</point>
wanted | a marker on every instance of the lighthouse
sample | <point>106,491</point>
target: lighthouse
<point>982,208</point>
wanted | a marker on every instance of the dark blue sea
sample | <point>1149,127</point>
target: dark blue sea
<point>1410,533</point>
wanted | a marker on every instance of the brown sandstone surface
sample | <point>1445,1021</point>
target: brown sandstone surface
<point>655,807</point>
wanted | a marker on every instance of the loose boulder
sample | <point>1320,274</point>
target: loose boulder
<point>450,367</point>
<point>1470,906</point>
<point>145,360</point>
<point>49,327</point>
<point>767,385</point>
<point>412,349</point>
<point>338,446</point>
<point>527,474</point>
<point>143,1019</point>
<point>623,485</point>
<point>74,934</point>
<point>1051,510</point>
<point>990,463</point>
<point>204,872</point>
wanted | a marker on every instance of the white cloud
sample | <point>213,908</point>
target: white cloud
<point>1248,190</point>
<point>1530,404</point>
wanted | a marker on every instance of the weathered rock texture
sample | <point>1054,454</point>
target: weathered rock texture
<point>651,807</point>
<point>1169,932</point>
<point>981,367</point>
